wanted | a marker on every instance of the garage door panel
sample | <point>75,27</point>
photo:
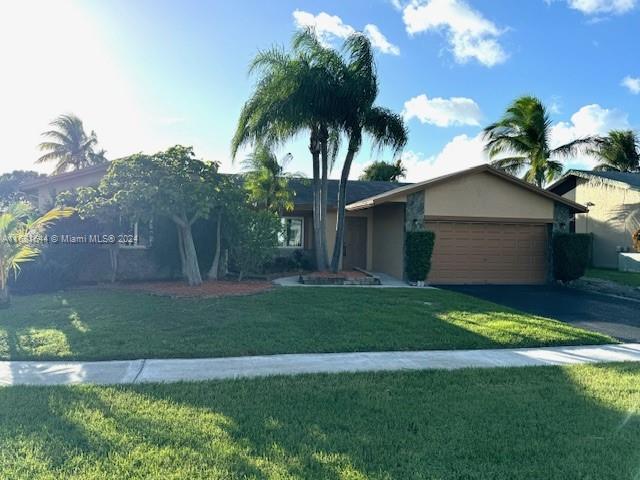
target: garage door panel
<point>488,253</point>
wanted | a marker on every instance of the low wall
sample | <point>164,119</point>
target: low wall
<point>629,262</point>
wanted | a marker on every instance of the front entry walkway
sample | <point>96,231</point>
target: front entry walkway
<point>176,370</point>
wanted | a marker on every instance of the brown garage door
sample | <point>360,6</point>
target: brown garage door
<point>495,253</point>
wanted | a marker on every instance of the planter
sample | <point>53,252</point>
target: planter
<point>629,262</point>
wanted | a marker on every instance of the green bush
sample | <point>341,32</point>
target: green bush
<point>418,251</point>
<point>571,255</point>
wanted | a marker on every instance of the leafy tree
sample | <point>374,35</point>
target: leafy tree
<point>69,145</point>
<point>520,141</point>
<point>173,184</point>
<point>267,182</point>
<point>11,183</point>
<point>619,151</point>
<point>20,238</point>
<point>384,172</point>
<point>255,238</point>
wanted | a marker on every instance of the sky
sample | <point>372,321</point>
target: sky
<point>149,74</point>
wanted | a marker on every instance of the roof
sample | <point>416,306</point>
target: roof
<point>619,179</point>
<point>357,190</point>
<point>416,187</point>
<point>101,167</point>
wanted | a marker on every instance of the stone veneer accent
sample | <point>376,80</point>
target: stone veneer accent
<point>414,214</point>
<point>562,216</point>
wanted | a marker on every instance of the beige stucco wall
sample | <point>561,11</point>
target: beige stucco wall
<point>388,239</point>
<point>46,194</point>
<point>485,195</point>
<point>612,219</point>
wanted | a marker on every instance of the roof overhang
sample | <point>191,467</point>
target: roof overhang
<point>590,176</point>
<point>416,187</point>
<point>52,179</point>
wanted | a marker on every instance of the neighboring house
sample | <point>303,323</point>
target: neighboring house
<point>613,199</point>
<point>490,226</point>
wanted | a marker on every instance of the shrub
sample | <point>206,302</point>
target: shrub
<point>418,251</point>
<point>571,255</point>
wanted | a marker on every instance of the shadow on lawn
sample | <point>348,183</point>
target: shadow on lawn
<point>492,424</point>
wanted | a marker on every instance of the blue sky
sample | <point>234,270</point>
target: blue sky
<point>149,74</point>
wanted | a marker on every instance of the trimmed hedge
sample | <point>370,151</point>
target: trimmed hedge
<point>418,251</point>
<point>571,255</point>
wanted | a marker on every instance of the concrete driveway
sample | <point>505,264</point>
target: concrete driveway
<point>612,316</point>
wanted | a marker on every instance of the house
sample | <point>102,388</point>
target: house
<point>490,227</point>
<point>613,199</point>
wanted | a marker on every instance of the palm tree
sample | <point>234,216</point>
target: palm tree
<point>384,171</point>
<point>20,238</point>
<point>619,151</point>
<point>359,116</point>
<point>294,94</point>
<point>69,145</point>
<point>267,182</point>
<point>520,140</point>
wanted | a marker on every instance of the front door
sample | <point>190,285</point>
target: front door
<point>354,253</point>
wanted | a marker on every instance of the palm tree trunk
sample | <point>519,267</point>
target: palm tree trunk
<point>318,235</point>
<point>324,191</point>
<point>336,259</point>
<point>5,299</point>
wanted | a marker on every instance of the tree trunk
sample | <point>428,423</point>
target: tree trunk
<point>5,299</point>
<point>318,234</point>
<point>215,265</point>
<point>190,268</point>
<point>324,185</point>
<point>114,251</point>
<point>336,259</point>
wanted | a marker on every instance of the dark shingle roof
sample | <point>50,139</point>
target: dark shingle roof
<point>631,179</point>
<point>356,190</point>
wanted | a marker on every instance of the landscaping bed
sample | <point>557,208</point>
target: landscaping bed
<point>207,289</point>
<point>124,324</point>
<point>345,277</point>
<point>610,282</point>
<point>549,423</point>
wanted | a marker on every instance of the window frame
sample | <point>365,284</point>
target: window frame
<point>293,217</point>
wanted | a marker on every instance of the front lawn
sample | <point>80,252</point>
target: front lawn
<point>630,279</point>
<point>97,325</point>
<point>528,423</point>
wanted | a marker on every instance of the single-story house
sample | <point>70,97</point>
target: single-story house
<point>490,227</point>
<point>613,199</point>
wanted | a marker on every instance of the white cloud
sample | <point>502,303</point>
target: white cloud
<point>589,120</point>
<point>460,153</point>
<point>470,35</point>
<point>379,41</point>
<point>443,112</point>
<point>329,27</point>
<point>600,7</point>
<point>632,83</point>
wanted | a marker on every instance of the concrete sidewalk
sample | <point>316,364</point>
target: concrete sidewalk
<point>175,370</point>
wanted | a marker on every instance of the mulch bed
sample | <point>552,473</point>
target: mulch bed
<point>207,289</point>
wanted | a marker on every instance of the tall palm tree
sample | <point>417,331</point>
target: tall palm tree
<point>294,94</point>
<point>19,242</point>
<point>359,116</point>
<point>619,151</point>
<point>267,182</point>
<point>520,141</point>
<point>69,145</point>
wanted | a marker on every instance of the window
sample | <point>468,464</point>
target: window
<point>135,234</point>
<point>292,235</point>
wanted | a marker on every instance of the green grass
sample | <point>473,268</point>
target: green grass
<point>95,325</point>
<point>528,423</point>
<point>625,278</point>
